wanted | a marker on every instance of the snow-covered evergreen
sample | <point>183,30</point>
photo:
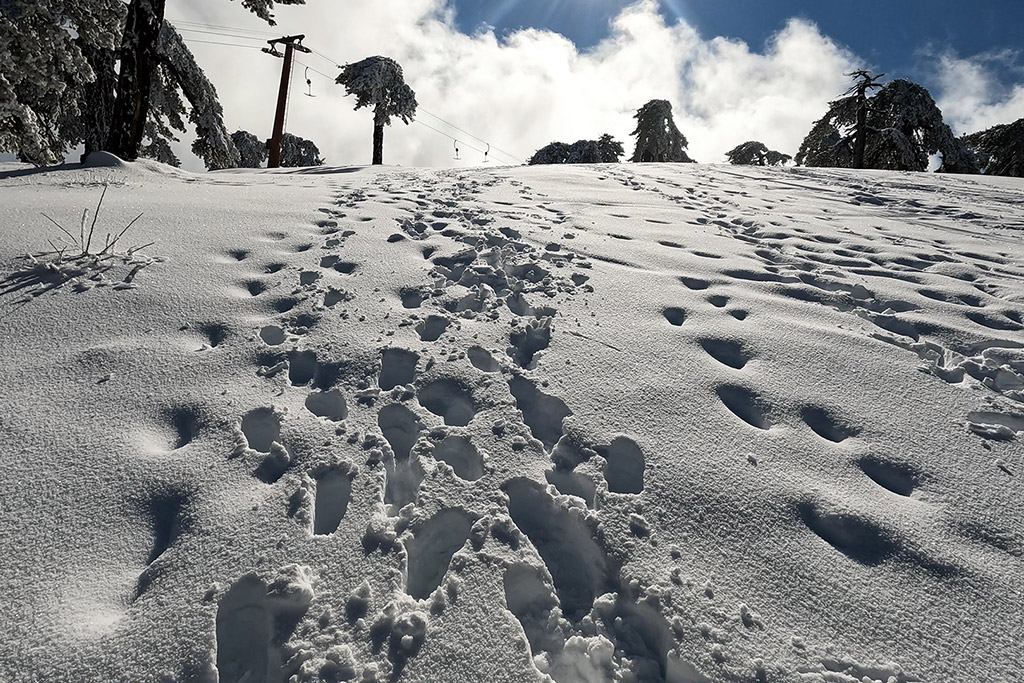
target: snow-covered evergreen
<point>47,49</point>
<point>378,82</point>
<point>755,153</point>
<point>58,86</point>
<point>213,143</point>
<point>604,150</point>
<point>252,151</point>
<point>999,150</point>
<point>298,152</point>
<point>903,126</point>
<point>657,138</point>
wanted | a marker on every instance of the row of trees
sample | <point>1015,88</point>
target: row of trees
<point>117,77</point>
<point>657,139</point>
<point>899,127</point>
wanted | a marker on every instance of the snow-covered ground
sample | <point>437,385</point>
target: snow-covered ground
<point>627,422</point>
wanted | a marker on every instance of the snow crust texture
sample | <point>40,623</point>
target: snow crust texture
<point>651,424</point>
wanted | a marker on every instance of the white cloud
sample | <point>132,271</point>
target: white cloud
<point>530,88</point>
<point>970,94</point>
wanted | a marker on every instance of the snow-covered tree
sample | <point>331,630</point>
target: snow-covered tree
<point>59,87</point>
<point>902,126</point>
<point>140,43</point>
<point>297,152</point>
<point>48,50</point>
<point>604,150</point>
<point>754,153</point>
<point>999,150</point>
<point>657,138</point>
<point>67,94</point>
<point>378,82</point>
<point>252,151</point>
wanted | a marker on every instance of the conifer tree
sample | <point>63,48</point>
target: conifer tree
<point>59,87</point>
<point>378,82</point>
<point>754,153</point>
<point>999,150</point>
<point>898,128</point>
<point>139,59</point>
<point>298,152</point>
<point>252,152</point>
<point>657,138</point>
<point>604,150</point>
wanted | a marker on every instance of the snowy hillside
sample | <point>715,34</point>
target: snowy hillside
<point>647,423</point>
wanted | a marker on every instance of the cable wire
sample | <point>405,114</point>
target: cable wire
<point>216,42</point>
<point>196,24</point>
<point>438,118</point>
<point>225,31</point>
<point>182,29</point>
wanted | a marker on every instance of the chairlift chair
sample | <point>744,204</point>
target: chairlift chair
<point>309,85</point>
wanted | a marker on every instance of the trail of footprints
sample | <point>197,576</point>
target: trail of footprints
<point>492,273</point>
<point>561,572</point>
<point>805,268</point>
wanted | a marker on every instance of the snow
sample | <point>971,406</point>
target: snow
<point>620,422</point>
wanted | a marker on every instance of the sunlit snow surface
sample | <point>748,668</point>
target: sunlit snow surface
<point>636,423</point>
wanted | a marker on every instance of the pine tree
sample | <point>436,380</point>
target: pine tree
<point>999,150</point>
<point>252,151</point>
<point>898,128</point>
<point>601,151</point>
<point>63,87</point>
<point>657,138</point>
<point>178,67</point>
<point>754,153</point>
<point>298,152</point>
<point>47,48</point>
<point>378,82</point>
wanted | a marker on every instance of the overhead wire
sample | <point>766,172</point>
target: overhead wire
<point>216,42</point>
<point>438,118</point>
<point>195,24</point>
<point>241,36</point>
<point>234,33</point>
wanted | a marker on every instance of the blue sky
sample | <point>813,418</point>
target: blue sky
<point>898,37</point>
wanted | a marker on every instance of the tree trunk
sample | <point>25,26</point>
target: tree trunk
<point>99,98</point>
<point>139,57</point>
<point>378,143</point>
<point>861,131</point>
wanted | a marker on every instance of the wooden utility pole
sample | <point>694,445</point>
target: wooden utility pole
<point>291,43</point>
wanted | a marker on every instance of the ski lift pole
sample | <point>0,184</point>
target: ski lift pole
<point>291,43</point>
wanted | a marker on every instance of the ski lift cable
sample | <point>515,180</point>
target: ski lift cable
<point>222,34</point>
<point>452,125</point>
<point>325,57</point>
<point>180,23</point>
<point>217,42</point>
<point>454,139</point>
<point>307,66</point>
<point>434,116</point>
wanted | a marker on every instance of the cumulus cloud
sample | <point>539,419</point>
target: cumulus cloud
<point>971,94</point>
<point>523,90</point>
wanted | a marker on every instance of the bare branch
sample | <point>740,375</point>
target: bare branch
<point>62,228</point>
<point>111,245</point>
<point>95,218</point>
